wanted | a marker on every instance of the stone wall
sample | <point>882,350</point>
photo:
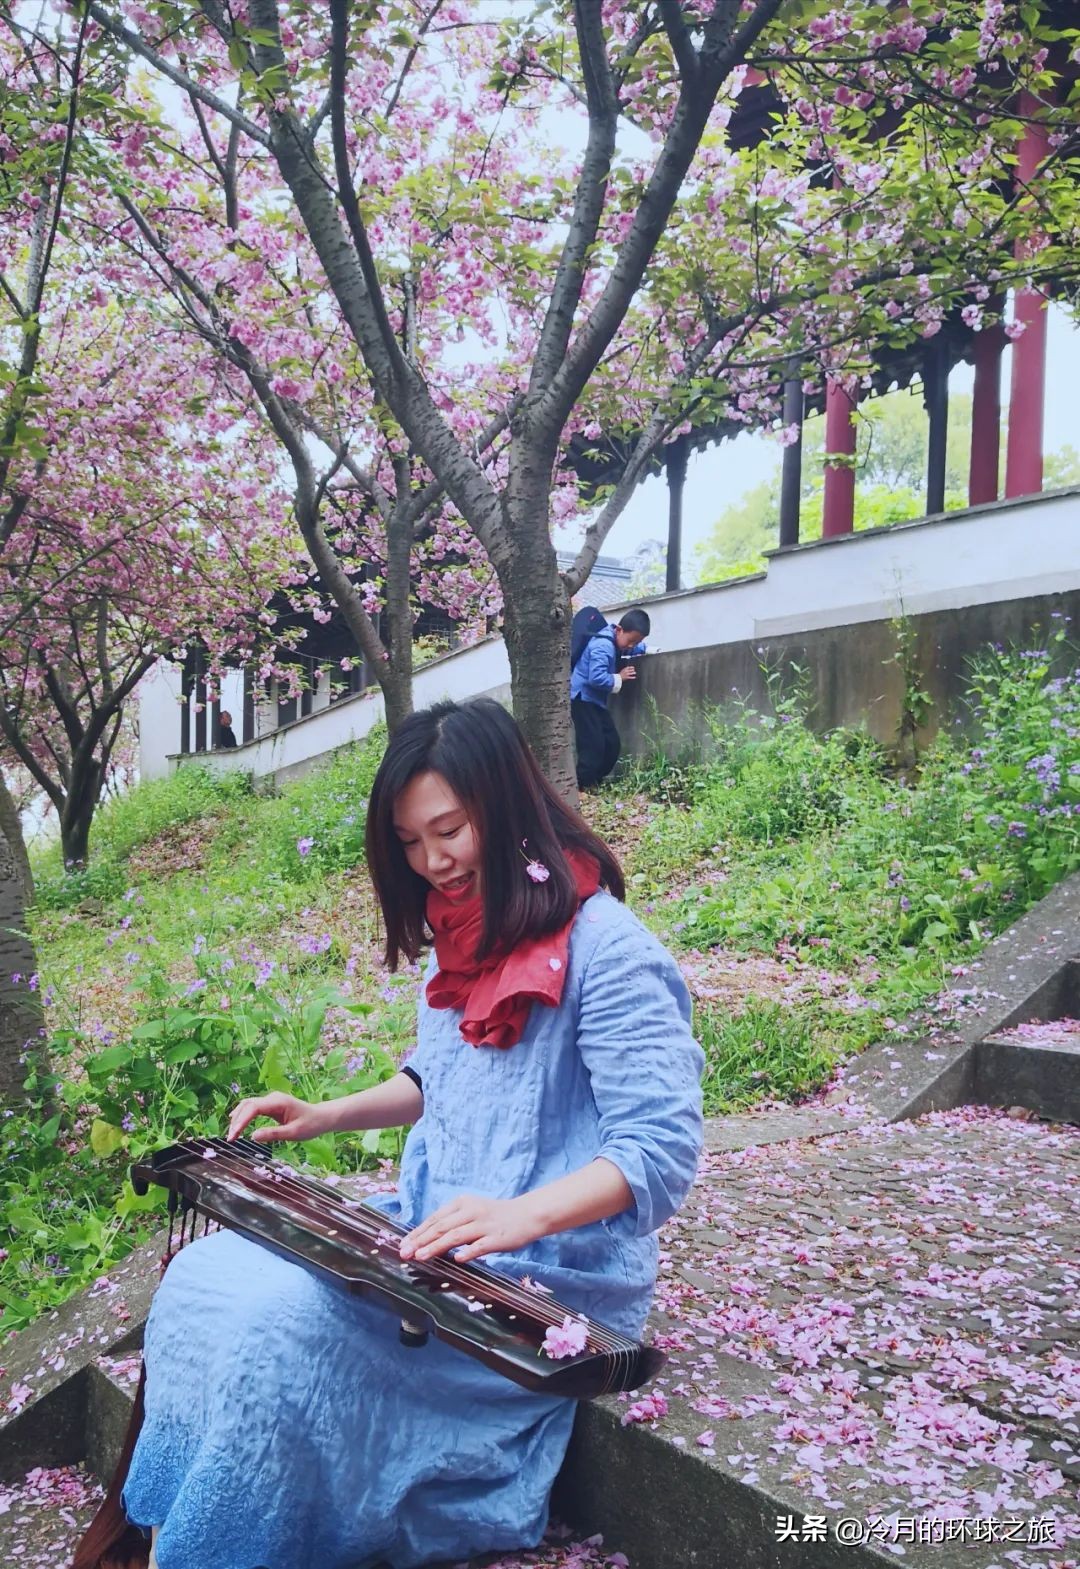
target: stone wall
<point>852,673</point>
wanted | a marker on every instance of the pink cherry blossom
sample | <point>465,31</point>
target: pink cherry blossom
<point>567,1339</point>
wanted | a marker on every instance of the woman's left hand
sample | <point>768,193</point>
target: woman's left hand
<point>474,1226</point>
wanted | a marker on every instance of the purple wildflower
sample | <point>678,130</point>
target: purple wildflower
<point>314,945</point>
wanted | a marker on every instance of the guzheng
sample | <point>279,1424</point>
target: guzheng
<point>241,1186</point>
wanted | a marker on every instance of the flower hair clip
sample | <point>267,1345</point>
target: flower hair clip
<point>534,868</point>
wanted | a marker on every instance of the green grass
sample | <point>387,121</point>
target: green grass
<point>812,850</point>
<point>767,1049</point>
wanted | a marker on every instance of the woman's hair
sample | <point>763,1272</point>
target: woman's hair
<point>479,750</point>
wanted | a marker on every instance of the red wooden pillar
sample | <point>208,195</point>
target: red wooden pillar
<point>838,513</point>
<point>986,418</point>
<point>1024,460</point>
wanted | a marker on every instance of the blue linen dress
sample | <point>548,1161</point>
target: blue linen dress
<point>287,1427</point>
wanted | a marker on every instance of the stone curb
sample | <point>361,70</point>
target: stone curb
<point>50,1428</point>
<point>1020,973</point>
<point>668,1505</point>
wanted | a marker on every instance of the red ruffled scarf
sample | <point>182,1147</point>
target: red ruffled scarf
<point>497,993</point>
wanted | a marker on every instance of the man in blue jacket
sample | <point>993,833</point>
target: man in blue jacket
<point>593,679</point>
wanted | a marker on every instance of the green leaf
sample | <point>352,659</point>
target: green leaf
<point>48,1132</point>
<point>183,1051</point>
<point>105,1138</point>
<point>321,1151</point>
<point>148,1031</point>
<point>23,1218</point>
<point>143,1073</point>
<point>272,1071</point>
<point>130,1203</point>
<point>106,1062</point>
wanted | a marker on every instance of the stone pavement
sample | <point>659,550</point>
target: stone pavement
<point>872,1308</point>
<point>877,1323</point>
<point>44,1517</point>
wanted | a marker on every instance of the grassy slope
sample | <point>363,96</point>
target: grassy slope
<point>223,942</point>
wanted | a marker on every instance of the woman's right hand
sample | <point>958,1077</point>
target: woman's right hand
<point>296,1119</point>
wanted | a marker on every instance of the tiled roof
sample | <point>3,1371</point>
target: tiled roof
<point>607,583</point>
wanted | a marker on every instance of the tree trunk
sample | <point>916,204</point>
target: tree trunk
<point>21,1018</point>
<point>396,675</point>
<point>397,697</point>
<point>675,462</point>
<point>536,630</point>
<point>11,830</point>
<point>78,814</point>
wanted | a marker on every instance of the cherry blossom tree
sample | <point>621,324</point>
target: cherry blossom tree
<point>136,510</point>
<point>659,268</point>
<point>235,275</point>
<point>40,105</point>
<point>142,530</point>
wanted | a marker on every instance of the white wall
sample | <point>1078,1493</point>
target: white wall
<point>159,720</point>
<point>161,712</point>
<point>1007,550</point>
<point>232,698</point>
<point>481,668</point>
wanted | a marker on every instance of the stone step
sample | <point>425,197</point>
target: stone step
<point>43,1518</point>
<point>656,1497</point>
<point>650,1491</point>
<point>1040,1075</point>
<point>849,1210</point>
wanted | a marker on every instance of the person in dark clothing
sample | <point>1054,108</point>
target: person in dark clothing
<point>226,736</point>
<point>593,680</point>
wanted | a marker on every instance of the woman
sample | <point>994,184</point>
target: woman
<point>556,1123</point>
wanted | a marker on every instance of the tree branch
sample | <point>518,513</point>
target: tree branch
<point>105,711</point>
<point>13,736</point>
<point>396,383</point>
<point>212,100</point>
<point>341,587</point>
<point>603,109</point>
<point>396,362</point>
<point>65,708</point>
<point>38,272</point>
<point>16,304</point>
<point>723,48</point>
<point>678,33</point>
<point>411,56</point>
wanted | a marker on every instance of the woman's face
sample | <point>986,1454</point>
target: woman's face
<point>438,839</point>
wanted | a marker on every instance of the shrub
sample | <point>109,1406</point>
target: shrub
<point>768,1049</point>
